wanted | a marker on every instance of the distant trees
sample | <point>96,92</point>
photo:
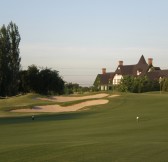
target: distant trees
<point>13,80</point>
<point>138,84</point>
<point>71,88</point>
<point>43,81</point>
<point>50,82</point>
<point>9,59</point>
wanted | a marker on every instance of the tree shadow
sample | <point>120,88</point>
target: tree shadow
<point>45,117</point>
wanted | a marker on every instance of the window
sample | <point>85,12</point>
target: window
<point>138,72</point>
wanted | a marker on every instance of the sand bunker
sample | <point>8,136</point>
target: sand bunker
<point>67,99</point>
<point>113,96</point>
<point>58,108</point>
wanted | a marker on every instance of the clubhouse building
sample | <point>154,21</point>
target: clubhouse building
<point>105,81</point>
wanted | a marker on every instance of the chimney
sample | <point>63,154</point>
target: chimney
<point>150,61</point>
<point>120,63</point>
<point>103,70</point>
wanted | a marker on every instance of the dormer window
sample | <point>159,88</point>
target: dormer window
<point>138,72</point>
<point>118,68</point>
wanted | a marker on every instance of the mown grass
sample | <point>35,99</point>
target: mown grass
<point>103,133</point>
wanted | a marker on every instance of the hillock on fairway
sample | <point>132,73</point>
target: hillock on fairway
<point>106,133</point>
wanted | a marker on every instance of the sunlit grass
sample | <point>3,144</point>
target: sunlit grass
<point>102,133</point>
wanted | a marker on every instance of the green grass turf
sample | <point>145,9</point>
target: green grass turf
<point>105,133</point>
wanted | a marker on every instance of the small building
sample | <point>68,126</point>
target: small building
<point>105,81</point>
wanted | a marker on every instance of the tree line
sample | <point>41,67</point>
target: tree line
<point>43,81</point>
<point>72,88</point>
<point>138,84</point>
<point>142,84</point>
<point>13,79</point>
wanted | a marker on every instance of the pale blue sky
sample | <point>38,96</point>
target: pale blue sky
<point>79,37</point>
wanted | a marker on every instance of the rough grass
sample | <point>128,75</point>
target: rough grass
<point>104,133</point>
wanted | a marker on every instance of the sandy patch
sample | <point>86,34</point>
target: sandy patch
<point>67,99</point>
<point>58,108</point>
<point>113,96</point>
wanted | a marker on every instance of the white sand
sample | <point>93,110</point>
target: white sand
<point>57,108</point>
<point>67,99</point>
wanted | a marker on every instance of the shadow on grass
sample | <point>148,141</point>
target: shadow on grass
<point>44,117</point>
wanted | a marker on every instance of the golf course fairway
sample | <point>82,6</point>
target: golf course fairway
<point>101,133</point>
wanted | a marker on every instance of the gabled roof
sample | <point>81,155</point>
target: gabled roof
<point>141,66</point>
<point>104,78</point>
<point>125,69</point>
<point>157,74</point>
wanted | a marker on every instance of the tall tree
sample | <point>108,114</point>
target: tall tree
<point>9,59</point>
<point>4,61</point>
<point>14,58</point>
